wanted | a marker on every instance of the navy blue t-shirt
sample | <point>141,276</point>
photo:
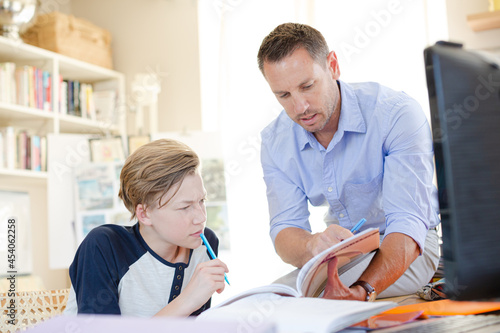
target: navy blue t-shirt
<point>116,272</point>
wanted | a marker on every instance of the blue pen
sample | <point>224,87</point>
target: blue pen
<point>212,254</point>
<point>358,225</point>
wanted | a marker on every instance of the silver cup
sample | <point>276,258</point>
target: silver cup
<point>14,14</point>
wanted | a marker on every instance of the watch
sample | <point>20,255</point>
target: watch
<point>371,294</point>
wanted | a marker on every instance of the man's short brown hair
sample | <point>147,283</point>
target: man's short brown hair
<point>288,37</point>
<point>152,170</point>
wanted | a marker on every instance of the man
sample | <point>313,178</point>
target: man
<point>363,150</point>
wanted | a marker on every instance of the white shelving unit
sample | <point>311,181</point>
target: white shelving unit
<point>45,122</point>
<point>39,184</point>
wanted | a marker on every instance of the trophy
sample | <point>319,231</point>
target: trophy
<point>14,14</point>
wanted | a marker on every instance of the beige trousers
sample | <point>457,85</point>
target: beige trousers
<point>417,275</point>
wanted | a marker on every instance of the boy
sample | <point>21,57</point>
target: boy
<point>156,267</point>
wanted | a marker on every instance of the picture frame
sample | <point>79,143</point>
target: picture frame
<point>135,141</point>
<point>106,150</point>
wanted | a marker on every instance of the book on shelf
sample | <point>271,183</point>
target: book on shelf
<point>35,151</point>
<point>63,96</point>
<point>22,143</point>
<point>295,304</point>
<point>77,99</point>
<point>46,91</point>
<point>1,151</point>
<point>22,86</point>
<point>32,87</point>
<point>43,153</point>
<point>105,104</point>
<point>9,147</point>
<point>26,86</point>
<point>19,149</point>
<point>7,82</point>
<point>87,102</point>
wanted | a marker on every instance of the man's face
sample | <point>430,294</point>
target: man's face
<point>307,91</point>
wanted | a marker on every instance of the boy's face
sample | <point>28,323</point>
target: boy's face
<point>181,221</point>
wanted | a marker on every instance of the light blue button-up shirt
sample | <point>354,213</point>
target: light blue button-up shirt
<point>379,166</point>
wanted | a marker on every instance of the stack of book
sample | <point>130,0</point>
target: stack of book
<point>25,85</point>
<point>20,149</point>
<point>32,87</point>
<point>77,99</point>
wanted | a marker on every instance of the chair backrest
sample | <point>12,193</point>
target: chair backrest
<point>28,308</point>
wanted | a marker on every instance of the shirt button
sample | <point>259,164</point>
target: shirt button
<point>330,189</point>
<point>341,215</point>
<point>180,268</point>
<point>178,277</point>
<point>176,288</point>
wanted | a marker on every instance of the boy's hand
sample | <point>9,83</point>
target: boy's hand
<point>208,278</point>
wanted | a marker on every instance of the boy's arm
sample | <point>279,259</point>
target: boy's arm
<point>94,278</point>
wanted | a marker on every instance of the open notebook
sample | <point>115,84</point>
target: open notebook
<point>294,306</point>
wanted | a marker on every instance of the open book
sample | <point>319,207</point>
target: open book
<point>295,307</point>
<point>311,278</point>
<point>293,314</point>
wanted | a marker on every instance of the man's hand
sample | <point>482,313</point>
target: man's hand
<point>335,289</point>
<point>296,246</point>
<point>323,240</point>
<point>395,255</point>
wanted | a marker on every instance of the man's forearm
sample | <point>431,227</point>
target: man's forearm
<point>395,255</point>
<point>291,246</point>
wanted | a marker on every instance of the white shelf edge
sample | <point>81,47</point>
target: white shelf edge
<point>89,123</point>
<point>25,110</point>
<point>42,175</point>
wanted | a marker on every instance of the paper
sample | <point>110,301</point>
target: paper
<point>296,314</point>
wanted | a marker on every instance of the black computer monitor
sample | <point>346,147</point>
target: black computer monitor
<point>464,96</point>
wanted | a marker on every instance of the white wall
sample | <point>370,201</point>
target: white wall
<point>460,31</point>
<point>154,36</point>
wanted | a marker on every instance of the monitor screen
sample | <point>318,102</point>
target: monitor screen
<point>464,96</point>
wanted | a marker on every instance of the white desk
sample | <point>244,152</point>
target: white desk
<point>110,324</point>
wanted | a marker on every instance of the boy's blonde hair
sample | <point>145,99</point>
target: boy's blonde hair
<point>152,170</point>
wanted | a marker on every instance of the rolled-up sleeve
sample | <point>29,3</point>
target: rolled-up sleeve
<point>286,200</point>
<point>408,172</point>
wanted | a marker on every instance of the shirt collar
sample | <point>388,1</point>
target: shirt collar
<point>351,118</point>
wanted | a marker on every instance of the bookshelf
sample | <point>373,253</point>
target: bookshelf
<point>51,117</point>
<point>50,120</point>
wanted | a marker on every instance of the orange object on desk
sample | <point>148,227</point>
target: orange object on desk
<point>446,307</point>
<point>388,320</point>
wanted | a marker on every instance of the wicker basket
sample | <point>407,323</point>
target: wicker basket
<point>32,307</point>
<point>71,36</point>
